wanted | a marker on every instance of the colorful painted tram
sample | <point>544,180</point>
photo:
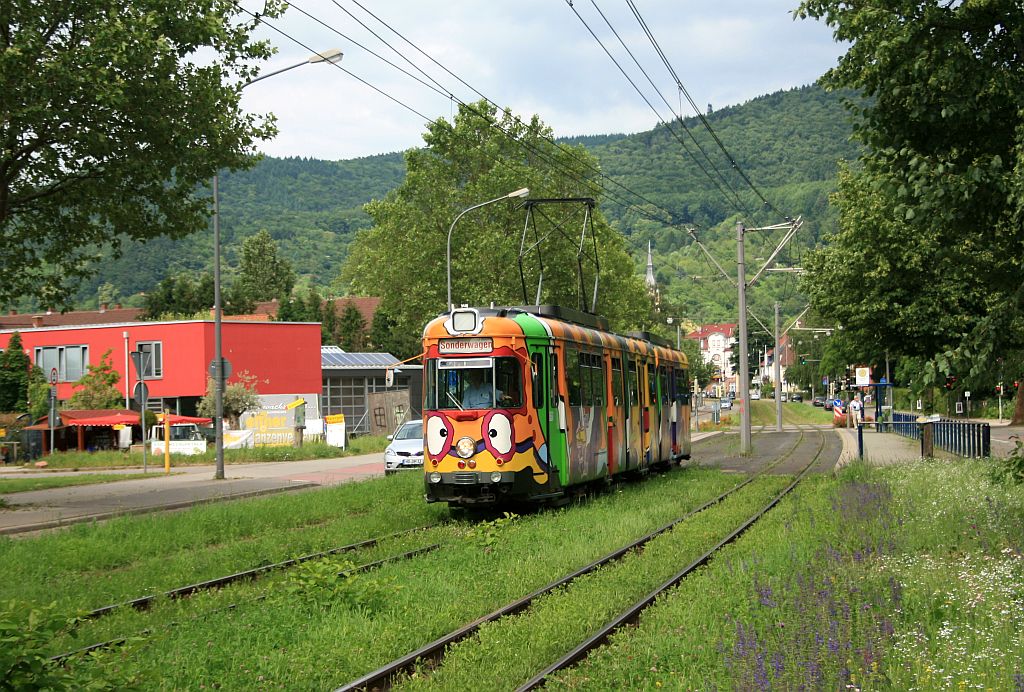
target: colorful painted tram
<point>528,405</point>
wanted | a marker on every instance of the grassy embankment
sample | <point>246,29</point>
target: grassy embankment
<point>43,482</point>
<point>313,450</point>
<point>908,576</point>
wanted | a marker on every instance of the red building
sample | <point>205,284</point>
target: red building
<point>284,357</point>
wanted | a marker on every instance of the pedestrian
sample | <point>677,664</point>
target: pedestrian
<point>855,410</point>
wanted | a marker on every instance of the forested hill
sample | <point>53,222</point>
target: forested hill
<point>787,143</point>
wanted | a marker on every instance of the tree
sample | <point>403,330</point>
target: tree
<point>464,163</point>
<point>98,387</point>
<point>351,329</point>
<point>699,370</point>
<point>930,253</point>
<point>15,367</point>
<point>180,295</point>
<point>113,113</point>
<point>263,274</point>
<point>240,396</point>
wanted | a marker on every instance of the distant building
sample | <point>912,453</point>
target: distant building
<point>715,342</point>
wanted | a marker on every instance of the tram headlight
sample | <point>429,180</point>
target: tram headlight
<point>465,447</point>
<point>435,477</point>
<point>496,477</point>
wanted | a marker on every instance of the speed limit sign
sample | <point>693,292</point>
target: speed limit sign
<point>53,376</point>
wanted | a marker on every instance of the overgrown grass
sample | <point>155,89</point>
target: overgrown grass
<point>763,413</point>
<point>908,577</point>
<point>316,640</point>
<point>44,481</point>
<point>312,450</point>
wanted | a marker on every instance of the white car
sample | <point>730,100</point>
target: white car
<point>405,453</point>
<point>755,396</point>
<point>725,404</point>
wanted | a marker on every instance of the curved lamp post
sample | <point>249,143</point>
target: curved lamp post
<point>331,56</point>
<point>522,192</point>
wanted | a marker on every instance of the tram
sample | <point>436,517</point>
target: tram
<point>529,405</point>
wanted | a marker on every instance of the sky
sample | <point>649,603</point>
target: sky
<point>536,57</point>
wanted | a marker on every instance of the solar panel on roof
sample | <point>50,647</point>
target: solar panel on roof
<point>334,357</point>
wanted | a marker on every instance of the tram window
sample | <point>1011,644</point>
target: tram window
<point>599,381</point>
<point>663,382</point>
<point>537,372</point>
<point>682,389</point>
<point>508,378</point>
<point>430,395</point>
<point>632,377</point>
<point>587,378</point>
<point>499,377</point>
<point>616,381</point>
<point>572,377</point>
<point>652,393</point>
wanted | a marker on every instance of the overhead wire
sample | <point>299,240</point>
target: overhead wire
<point>713,179</point>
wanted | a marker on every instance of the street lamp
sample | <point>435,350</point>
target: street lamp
<point>520,193</point>
<point>679,325</point>
<point>332,57</point>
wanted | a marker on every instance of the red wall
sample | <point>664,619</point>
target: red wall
<point>284,356</point>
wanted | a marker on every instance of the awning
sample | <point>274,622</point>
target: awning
<point>107,421</point>
<point>175,418</point>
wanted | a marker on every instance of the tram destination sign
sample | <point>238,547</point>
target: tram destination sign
<point>445,346</point>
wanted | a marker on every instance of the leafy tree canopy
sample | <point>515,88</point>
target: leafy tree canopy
<point>929,256</point>
<point>263,274</point>
<point>240,396</point>
<point>98,387</point>
<point>109,120</point>
<point>14,376</point>
<point>402,258</point>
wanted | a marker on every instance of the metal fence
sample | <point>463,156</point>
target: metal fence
<point>962,438</point>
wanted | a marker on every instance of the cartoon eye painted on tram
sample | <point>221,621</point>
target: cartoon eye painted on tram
<point>439,436</point>
<point>498,436</point>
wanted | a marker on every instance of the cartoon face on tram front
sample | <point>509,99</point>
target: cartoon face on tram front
<point>477,420</point>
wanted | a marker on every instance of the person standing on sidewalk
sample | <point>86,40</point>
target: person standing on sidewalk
<point>855,410</point>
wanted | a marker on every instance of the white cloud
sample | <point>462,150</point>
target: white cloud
<point>532,55</point>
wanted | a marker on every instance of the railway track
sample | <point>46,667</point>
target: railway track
<point>144,602</point>
<point>432,654</point>
<point>60,659</point>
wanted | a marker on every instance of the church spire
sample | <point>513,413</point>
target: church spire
<point>652,283</point>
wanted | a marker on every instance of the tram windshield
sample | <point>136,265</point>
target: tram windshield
<point>474,383</point>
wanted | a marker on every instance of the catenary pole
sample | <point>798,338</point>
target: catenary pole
<point>777,367</point>
<point>744,396</point>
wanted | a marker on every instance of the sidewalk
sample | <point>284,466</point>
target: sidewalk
<point>186,486</point>
<point>881,448</point>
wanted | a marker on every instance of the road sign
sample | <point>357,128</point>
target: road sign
<point>141,393</point>
<point>967,395</point>
<point>53,376</point>
<point>837,403</point>
<point>227,368</point>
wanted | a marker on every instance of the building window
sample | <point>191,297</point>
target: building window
<point>70,362</point>
<point>153,358</point>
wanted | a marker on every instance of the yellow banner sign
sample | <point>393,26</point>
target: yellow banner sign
<point>335,418</point>
<point>295,404</point>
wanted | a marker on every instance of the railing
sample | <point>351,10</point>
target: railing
<point>961,438</point>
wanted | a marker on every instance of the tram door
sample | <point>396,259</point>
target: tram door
<point>617,420</point>
<point>634,422</point>
<point>545,401</point>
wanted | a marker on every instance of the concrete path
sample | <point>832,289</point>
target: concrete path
<point>188,485</point>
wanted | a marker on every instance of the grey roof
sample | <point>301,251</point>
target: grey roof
<point>334,357</point>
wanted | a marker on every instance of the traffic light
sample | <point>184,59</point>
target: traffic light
<point>999,389</point>
<point>950,381</point>
<point>803,360</point>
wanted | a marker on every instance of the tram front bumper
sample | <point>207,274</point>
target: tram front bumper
<point>475,487</point>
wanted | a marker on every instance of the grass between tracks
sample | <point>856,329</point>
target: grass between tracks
<point>899,578</point>
<point>909,577</point>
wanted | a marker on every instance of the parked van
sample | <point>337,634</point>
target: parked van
<point>185,438</point>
